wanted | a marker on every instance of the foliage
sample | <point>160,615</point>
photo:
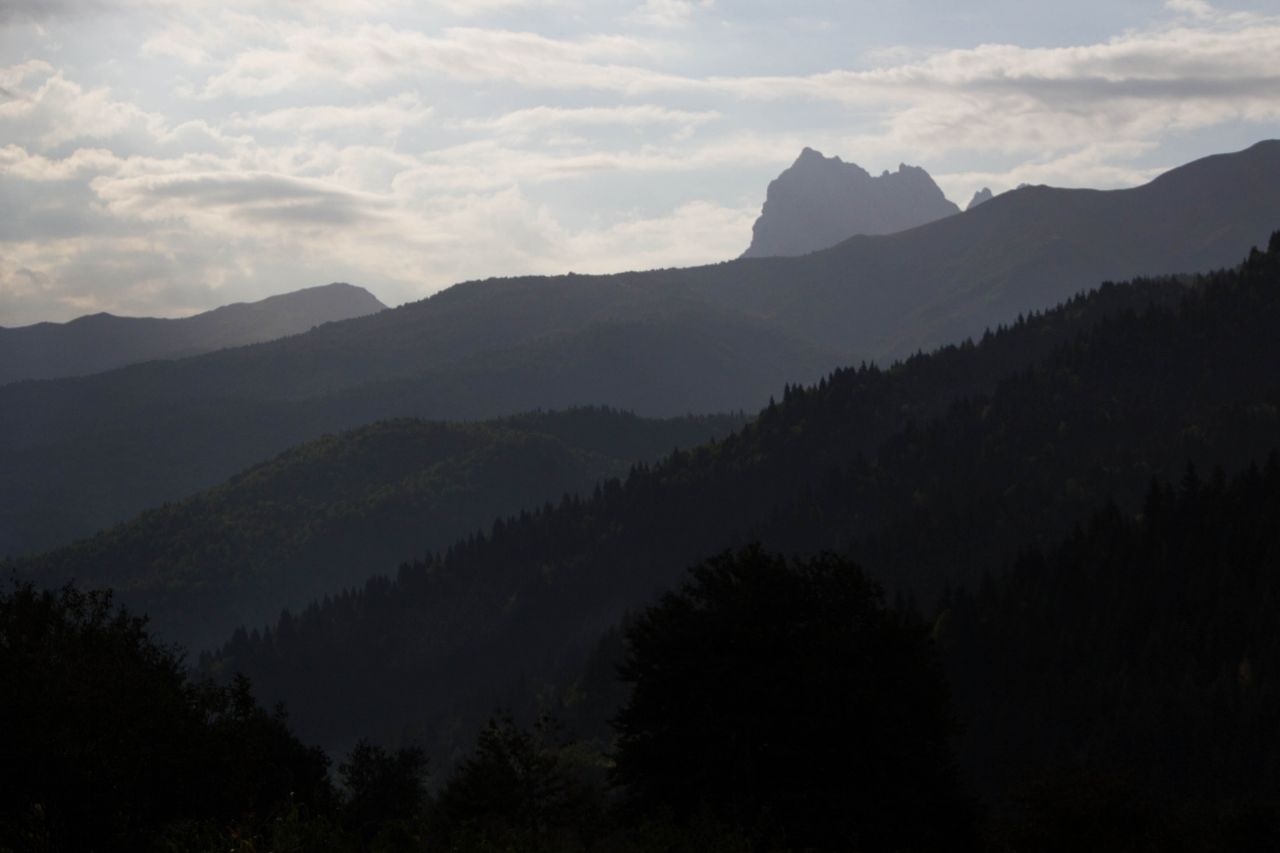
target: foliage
<point>106,743</point>
<point>1143,647</point>
<point>789,701</point>
<point>520,789</point>
<point>383,789</point>
<point>332,512</point>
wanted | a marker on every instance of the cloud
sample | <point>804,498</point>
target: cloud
<point>473,8</point>
<point>12,11</point>
<point>17,162</point>
<point>389,117</point>
<point>376,54</point>
<point>669,13</point>
<point>59,110</point>
<point>491,164</point>
<point>233,202</point>
<point>535,119</point>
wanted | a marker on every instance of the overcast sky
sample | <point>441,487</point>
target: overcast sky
<point>162,157</point>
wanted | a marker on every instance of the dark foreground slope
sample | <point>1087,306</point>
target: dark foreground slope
<point>101,342</point>
<point>81,454</point>
<point>1128,383</point>
<point>334,511</point>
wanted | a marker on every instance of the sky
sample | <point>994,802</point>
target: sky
<point>163,157</point>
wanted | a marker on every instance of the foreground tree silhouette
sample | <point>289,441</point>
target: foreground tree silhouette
<point>385,792</point>
<point>518,790</point>
<point>105,745</point>
<point>788,702</point>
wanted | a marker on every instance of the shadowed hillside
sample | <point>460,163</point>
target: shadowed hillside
<point>336,510</point>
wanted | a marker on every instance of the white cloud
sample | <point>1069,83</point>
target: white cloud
<point>669,13</point>
<point>389,117</point>
<point>474,8</point>
<point>376,54</point>
<point>536,119</point>
<point>17,162</point>
<point>56,110</point>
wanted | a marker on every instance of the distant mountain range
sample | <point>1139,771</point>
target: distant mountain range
<point>99,342</point>
<point>821,201</point>
<point>77,455</point>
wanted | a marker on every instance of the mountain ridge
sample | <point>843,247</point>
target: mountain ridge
<point>663,342</point>
<point>94,343</point>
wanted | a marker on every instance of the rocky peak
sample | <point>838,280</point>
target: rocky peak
<point>981,196</point>
<point>820,201</point>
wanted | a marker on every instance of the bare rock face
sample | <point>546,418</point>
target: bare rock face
<point>981,196</point>
<point>821,201</point>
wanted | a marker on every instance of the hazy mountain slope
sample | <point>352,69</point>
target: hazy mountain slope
<point>1124,387</point>
<point>820,201</point>
<point>153,440</point>
<point>1023,250</point>
<point>661,342</point>
<point>870,297</point>
<point>336,510</point>
<point>101,342</point>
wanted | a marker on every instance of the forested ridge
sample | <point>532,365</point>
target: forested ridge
<point>334,511</point>
<point>1144,644</point>
<point>1126,383</point>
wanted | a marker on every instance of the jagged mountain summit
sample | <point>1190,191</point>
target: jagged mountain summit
<point>98,342</point>
<point>981,196</point>
<point>821,201</point>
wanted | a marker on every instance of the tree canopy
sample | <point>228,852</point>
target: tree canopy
<point>105,745</point>
<point>787,700</point>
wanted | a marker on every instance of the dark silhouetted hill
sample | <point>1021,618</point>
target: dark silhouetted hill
<point>820,201</point>
<point>99,342</point>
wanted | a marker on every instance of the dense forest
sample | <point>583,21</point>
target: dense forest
<point>334,511</point>
<point>1144,645</point>
<point>1115,692</point>
<point>1128,383</point>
